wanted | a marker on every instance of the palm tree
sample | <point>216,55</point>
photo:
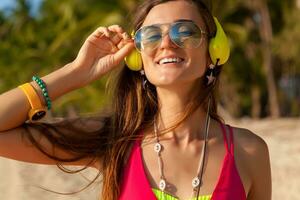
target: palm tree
<point>250,29</point>
<point>266,35</point>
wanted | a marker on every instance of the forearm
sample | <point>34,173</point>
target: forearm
<point>14,106</point>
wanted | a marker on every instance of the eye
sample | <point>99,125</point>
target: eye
<point>185,31</point>
<point>151,34</point>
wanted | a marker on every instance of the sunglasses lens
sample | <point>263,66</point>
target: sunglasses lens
<point>185,34</point>
<point>138,40</point>
<point>148,38</point>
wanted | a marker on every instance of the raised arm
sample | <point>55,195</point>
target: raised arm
<point>102,51</point>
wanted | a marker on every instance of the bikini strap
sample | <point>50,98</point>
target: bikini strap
<point>228,145</point>
<point>231,143</point>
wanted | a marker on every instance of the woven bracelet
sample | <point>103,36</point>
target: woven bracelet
<point>43,87</point>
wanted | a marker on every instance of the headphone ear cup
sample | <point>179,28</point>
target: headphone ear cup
<point>134,60</point>
<point>219,49</point>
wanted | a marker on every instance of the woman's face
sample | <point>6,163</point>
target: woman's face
<point>193,61</point>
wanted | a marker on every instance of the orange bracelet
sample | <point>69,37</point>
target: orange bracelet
<point>37,111</point>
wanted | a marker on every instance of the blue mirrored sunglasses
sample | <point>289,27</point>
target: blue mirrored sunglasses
<point>183,33</point>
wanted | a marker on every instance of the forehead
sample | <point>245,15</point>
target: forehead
<point>173,11</point>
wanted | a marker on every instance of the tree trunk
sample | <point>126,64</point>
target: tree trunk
<point>265,30</point>
<point>256,106</point>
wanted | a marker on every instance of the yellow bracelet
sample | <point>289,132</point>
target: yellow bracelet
<point>37,111</point>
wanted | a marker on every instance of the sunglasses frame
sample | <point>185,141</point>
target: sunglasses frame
<point>169,25</point>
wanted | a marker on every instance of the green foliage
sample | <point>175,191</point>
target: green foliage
<point>290,34</point>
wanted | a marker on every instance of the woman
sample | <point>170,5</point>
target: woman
<point>162,137</point>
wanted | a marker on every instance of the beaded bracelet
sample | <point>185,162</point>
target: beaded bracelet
<point>43,87</point>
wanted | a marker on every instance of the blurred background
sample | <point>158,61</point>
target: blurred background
<point>260,86</point>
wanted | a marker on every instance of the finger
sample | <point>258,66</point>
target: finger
<point>119,34</point>
<point>113,33</point>
<point>102,31</point>
<point>124,51</point>
<point>118,31</point>
<point>116,38</point>
<point>123,42</point>
<point>116,28</point>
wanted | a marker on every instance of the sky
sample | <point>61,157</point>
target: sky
<point>7,5</point>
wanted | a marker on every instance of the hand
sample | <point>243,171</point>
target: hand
<point>101,52</point>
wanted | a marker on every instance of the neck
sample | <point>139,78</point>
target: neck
<point>172,106</point>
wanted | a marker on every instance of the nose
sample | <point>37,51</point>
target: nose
<point>166,42</point>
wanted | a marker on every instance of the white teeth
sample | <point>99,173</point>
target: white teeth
<point>169,60</point>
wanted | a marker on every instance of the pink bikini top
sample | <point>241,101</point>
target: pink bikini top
<point>135,185</point>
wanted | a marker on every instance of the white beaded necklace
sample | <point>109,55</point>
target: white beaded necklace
<point>197,180</point>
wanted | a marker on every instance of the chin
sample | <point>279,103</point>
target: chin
<point>173,82</point>
<point>169,83</point>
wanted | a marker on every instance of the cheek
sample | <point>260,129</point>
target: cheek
<point>198,62</point>
<point>149,66</point>
<point>147,59</point>
<point>147,62</point>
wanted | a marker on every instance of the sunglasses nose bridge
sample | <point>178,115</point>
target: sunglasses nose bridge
<point>166,40</point>
<point>165,29</point>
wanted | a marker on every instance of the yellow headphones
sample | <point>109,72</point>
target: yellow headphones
<point>219,50</point>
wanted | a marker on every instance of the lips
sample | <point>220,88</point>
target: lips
<point>169,59</point>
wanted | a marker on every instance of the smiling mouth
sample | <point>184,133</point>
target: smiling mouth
<point>170,61</point>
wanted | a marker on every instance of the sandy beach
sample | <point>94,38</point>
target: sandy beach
<point>21,181</point>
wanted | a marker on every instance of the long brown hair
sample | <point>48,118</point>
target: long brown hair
<point>132,110</point>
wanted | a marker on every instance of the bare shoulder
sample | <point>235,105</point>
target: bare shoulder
<point>253,160</point>
<point>252,144</point>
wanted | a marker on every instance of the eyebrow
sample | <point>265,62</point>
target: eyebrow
<point>178,20</point>
<point>184,20</point>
